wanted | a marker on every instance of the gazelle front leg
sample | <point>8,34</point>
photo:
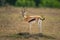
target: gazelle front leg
<point>40,25</point>
<point>30,27</point>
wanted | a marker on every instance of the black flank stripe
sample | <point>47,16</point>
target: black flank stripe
<point>31,20</point>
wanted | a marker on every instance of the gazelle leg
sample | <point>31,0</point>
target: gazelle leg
<point>30,27</point>
<point>40,25</point>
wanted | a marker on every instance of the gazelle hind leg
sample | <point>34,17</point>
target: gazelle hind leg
<point>40,25</point>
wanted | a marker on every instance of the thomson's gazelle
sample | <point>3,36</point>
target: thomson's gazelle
<point>32,19</point>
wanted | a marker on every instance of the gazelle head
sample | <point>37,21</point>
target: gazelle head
<point>24,12</point>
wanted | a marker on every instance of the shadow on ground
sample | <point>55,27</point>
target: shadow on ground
<point>27,36</point>
<point>35,36</point>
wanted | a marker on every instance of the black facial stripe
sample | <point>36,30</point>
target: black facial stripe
<point>32,20</point>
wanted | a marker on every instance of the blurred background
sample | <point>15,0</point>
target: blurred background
<point>31,3</point>
<point>12,23</point>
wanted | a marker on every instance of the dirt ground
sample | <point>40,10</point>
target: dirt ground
<point>13,27</point>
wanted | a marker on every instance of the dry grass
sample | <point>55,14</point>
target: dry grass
<point>11,23</point>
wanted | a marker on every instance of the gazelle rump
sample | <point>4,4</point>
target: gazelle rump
<point>32,19</point>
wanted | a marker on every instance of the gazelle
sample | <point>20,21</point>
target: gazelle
<point>33,19</point>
